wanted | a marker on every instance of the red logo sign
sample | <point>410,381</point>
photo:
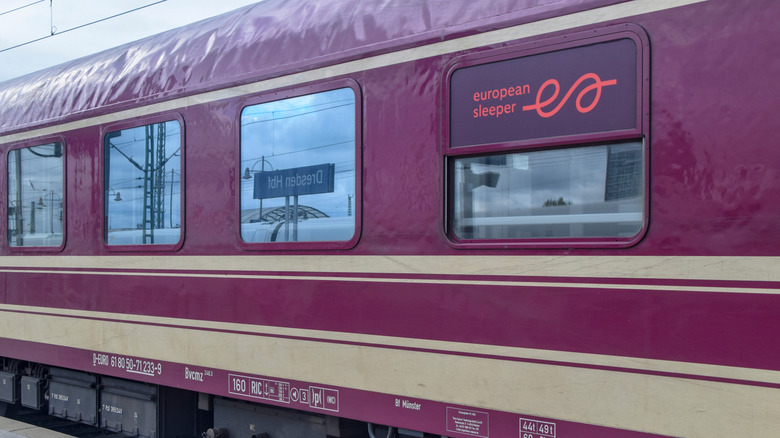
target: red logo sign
<point>597,86</point>
<point>568,92</point>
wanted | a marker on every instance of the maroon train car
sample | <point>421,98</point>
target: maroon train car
<point>344,218</point>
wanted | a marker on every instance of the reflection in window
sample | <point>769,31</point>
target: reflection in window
<point>298,157</point>
<point>35,196</point>
<point>143,185</point>
<point>587,192</point>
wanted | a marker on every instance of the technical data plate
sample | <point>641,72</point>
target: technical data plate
<point>537,429</point>
<point>73,396</point>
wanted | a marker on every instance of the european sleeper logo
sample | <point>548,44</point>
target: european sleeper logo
<point>596,86</point>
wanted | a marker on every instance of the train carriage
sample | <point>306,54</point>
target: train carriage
<point>346,218</point>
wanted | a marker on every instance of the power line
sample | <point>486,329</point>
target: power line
<point>273,119</point>
<point>298,151</point>
<point>54,29</point>
<point>21,7</point>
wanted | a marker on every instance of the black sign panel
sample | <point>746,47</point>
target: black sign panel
<point>574,91</point>
<point>308,180</point>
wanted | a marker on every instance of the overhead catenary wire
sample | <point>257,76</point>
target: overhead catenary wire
<point>54,30</point>
<point>21,7</point>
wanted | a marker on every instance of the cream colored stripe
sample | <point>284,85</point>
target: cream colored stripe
<point>662,366</point>
<point>594,16</point>
<point>656,404</point>
<point>752,269</point>
<point>535,284</point>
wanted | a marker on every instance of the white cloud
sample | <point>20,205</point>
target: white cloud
<point>35,22</point>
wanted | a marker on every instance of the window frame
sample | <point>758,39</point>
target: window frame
<point>104,188</point>
<point>640,133</point>
<point>40,141</point>
<point>293,92</point>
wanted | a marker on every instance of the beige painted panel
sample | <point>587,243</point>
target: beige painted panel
<point>623,267</point>
<point>445,347</point>
<point>629,400</point>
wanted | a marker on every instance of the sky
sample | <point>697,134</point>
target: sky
<point>27,20</point>
<point>282,138</point>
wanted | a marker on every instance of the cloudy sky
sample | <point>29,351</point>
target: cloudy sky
<point>22,21</point>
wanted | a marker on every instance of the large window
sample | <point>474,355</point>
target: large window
<point>298,159</point>
<point>143,185</point>
<point>546,144</point>
<point>36,196</point>
<point>582,192</point>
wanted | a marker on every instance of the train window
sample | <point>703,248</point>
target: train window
<point>143,185</point>
<point>546,144</point>
<point>298,158</point>
<point>36,196</point>
<point>580,192</point>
